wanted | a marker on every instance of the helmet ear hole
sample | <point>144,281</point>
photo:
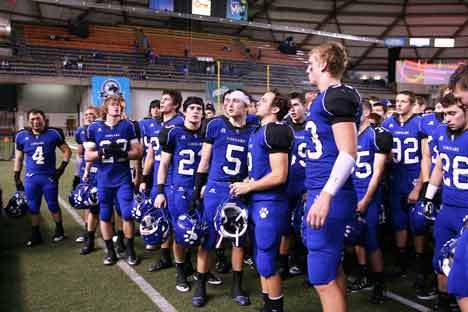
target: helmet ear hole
<point>231,221</point>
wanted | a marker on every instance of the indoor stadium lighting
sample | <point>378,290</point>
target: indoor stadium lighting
<point>420,42</point>
<point>444,42</point>
<point>150,12</point>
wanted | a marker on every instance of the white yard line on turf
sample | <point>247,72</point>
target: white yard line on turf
<point>407,302</point>
<point>146,287</point>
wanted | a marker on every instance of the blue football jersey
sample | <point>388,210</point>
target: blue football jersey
<point>298,159</point>
<point>229,149</point>
<point>39,149</point>
<point>339,103</point>
<point>453,150</point>
<point>252,119</point>
<point>185,147</point>
<point>145,127</point>
<point>112,172</point>
<point>152,132</point>
<point>406,151</point>
<point>80,138</point>
<point>429,124</point>
<point>271,138</point>
<point>370,141</point>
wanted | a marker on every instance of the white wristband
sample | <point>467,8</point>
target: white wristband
<point>341,171</point>
<point>431,191</point>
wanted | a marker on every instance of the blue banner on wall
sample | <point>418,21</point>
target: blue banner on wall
<point>104,86</point>
<point>237,9</point>
<point>162,5</point>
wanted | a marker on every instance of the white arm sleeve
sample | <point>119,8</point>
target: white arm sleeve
<point>341,171</point>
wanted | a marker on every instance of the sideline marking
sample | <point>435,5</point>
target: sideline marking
<point>407,302</point>
<point>146,287</point>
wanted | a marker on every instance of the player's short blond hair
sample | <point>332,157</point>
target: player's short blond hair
<point>334,55</point>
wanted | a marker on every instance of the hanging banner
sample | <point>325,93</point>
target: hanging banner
<point>162,5</point>
<point>427,74</point>
<point>212,91</point>
<point>103,86</point>
<point>237,10</point>
<point>201,7</point>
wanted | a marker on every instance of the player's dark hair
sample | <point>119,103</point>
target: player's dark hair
<point>443,90</point>
<point>297,95</point>
<point>421,100</point>
<point>459,77</point>
<point>385,108</point>
<point>283,103</point>
<point>449,100</point>
<point>175,96</point>
<point>410,94</point>
<point>227,93</point>
<point>36,112</point>
<point>334,55</point>
<point>193,100</point>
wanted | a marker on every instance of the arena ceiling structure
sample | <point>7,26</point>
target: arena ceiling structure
<point>374,20</point>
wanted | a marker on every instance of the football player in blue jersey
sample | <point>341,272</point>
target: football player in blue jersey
<point>295,190</point>
<point>145,123</point>
<point>89,116</point>
<point>458,83</point>
<point>374,147</point>
<point>405,180</point>
<point>113,142</point>
<point>451,169</point>
<point>38,143</point>
<point>223,160</point>
<point>180,155</point>
<point>269,151</point>
<point>171,100</point>
<point>331,152</point>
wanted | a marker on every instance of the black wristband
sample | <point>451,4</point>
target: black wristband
<point>63,165</point>
<point>200,179</point>
<point>17,176</point>
<point>160,189</point>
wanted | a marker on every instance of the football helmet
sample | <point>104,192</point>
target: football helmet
<point>231,221</point>
<point>418,217</point>
<point>429,209</point>
<point>83,196</point>
<point>141,203</point>
<point>154,226</point>
<point>189,229</point>
<point>17,206</point>
<point>356,231</point>
<point>446,255</point>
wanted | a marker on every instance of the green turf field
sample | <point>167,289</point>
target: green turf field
<point>54,277</point>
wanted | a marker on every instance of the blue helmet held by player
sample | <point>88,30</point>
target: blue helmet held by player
<point>189,229</point>
<point>17,206</point>
<point>356,231</point>
<point>83,196</point>
<point>447,252</point>
<point>231,221</point>
<point>154,226</point>
<point>141,203</point>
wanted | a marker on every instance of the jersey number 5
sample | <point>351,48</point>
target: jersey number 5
<point>233,160</point>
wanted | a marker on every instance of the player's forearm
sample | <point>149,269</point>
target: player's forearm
<point>67,153</point>
<point>271,180</point>
<point>18,164</point>
<point>162,171</point>
<point>149,162</point>
<point>426,162</point>
<point>204,164</point>
<point>373,185</point>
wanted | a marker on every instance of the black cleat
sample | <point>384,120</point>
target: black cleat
<point>423,292</point>
<point>86,249</point>
<point>360,283</point>
<point>110,259</point>
<point>160,265</point>
<point>34,241</point>
<point>181,282</point>
<point>58,237</point>
<point>81,238</point>
<point>132,260</point>
<point>240,297</point>
<point>378,296</point>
